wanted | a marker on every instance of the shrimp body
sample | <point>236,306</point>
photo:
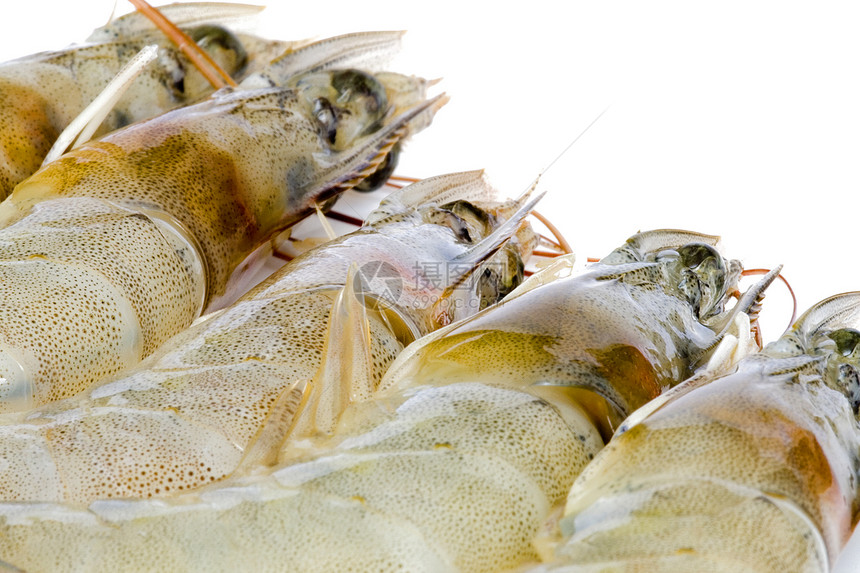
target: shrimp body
<point>756,469</point>
<point>116,246</point>
<point>187,415</point>
<point>41,94</point>
<point>616,335</point>
<point>453,464</point>
<point>430,489</point>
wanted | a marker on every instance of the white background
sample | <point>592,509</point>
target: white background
<point>735,118</point>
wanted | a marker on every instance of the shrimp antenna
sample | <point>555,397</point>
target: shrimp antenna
<point>562,243</point>
<point>201,60</point>
<point>113,11</point>
<point>403,178</point>
<point>575,139</point>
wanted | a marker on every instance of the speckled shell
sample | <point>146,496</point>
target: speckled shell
<point>620,344</point>
<point>138,231</point>
<point>41,94</point>
<point>458,458</point>
<point>756,469</point>
<point>186,415</point>
<point>429,489</point>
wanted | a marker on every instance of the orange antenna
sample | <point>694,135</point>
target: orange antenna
<point>562,243</point>
<point>404,179</point>
<point>201,60</point>
<point>749,272</point>
<point>548,242</point>
<point>538,253</point>
<point>400,181</point>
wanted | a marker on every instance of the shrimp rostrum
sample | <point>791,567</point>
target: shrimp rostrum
<point>118,245</point>
<point>41,94</point>
<point>195,409</point>
<point>476,431</point>
<point>755,470</point>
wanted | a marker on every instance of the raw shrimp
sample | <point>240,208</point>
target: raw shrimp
<point>187,414</point>
<point>640,321</point>
<point>41,94</point>
<point>118,245</point>
<point>479,430</point>
<point>756,470</point>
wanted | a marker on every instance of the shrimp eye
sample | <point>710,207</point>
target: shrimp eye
<point>347,104</point>
<point>220,44</point>
<point>468,222</point>
<point>666,255</point>
<point>702,278</point>
<point>355,85</point>
<point>327,119</point>
<point>849,382</point>
<point>695,255</point>
<point>224,47</point>
<point>459,226</point>
<point>846,340</point>
<point>502,274</point>
<point>842,371</point>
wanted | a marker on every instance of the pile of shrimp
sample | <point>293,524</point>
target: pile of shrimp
<point>438,388</point>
